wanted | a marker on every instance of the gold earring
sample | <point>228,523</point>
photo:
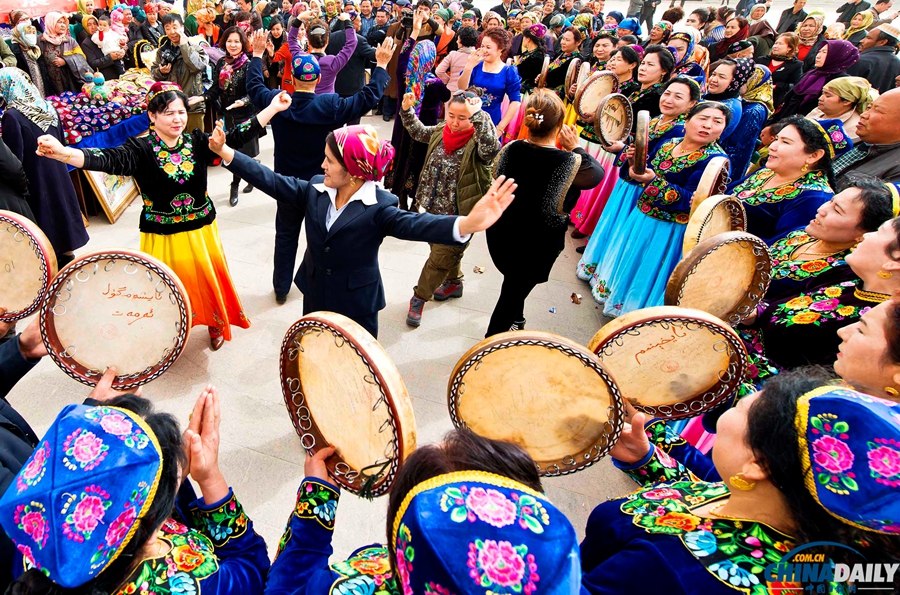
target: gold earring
<point>805,168</point>
<point>352,182</point>
<point>740,483</point>
<point>891,391</point>
<point>885,274</point>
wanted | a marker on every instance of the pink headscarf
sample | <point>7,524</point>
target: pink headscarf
<point>363,154</point>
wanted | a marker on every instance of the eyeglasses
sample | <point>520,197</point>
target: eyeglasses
<point>466,94</point>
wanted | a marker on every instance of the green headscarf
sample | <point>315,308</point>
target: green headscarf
<point>854,89</point>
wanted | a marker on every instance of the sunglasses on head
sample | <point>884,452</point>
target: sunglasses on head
<point>466,94</point>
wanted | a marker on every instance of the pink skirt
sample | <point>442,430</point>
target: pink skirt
<point>590,204</point>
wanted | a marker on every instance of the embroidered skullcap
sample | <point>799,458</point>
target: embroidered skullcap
<point>835,136</point>
<point>472,532</point>
<point>889,30</point>
<point>363,154</point>
<point>161,87</point>
<point>739,46</point>
<point>536,32</point>
<point>895,198</point>
<point>851,443</point>
<point>305,68</point>
<point>468,15</point>
<point>76,502</point>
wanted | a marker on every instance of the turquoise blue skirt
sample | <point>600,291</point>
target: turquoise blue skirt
<point>594,265</point>
<point>645,251</point>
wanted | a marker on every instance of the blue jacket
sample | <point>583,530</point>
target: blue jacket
<point>340,271</point>
<point>300,131</point>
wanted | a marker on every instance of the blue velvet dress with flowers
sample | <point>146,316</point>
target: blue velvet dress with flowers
<point>647,246</point>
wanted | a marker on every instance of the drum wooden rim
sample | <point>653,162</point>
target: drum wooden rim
<point>613,334</point>
<point>591,81</point>
<point>542,81</point>
<point>16,224</point>
<point>584,72</point>
<point>376,360</point>
<point>572,74</point>
<point>641,142</point>
<point>702,217</point>
<point>629,117</point>
<point>615,411</point>
<point>762,274</point>
<point>90,377</point>
<point>713,181</point>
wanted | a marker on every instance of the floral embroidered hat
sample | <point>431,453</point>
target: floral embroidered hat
<point>75,503</point>
<point>835,136</point>
<point>851,443</point>
<point>472,532</point>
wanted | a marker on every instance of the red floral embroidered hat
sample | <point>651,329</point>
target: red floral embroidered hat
<point>851,444</point>
<point>472,532</point>
<point>76,502</point>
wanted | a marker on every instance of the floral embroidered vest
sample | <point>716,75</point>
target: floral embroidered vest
<point>751,192</point>
<point>784,267</point>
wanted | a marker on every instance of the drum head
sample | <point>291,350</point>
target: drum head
<point>672,362</point>
<point>341,389</point>
<point>584,72</point>
<point>572,74</point>
<point>27,266</point>
<point>542,81</point>
<point>615,117</point>
<point>641,142</point>
<point>593,91</point>
<point>713,181</point>
<point>119,308</point>
<point>542,391</point>
<point>715,215</point>
<point>726,275</point>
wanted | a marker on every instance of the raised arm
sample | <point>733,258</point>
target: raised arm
<point>418,131</point>
<point>260,95</point>
<point>195,58</point>
<point>337,62</point>
<point>120,161</point>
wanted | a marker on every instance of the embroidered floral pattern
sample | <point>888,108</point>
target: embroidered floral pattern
<point>658,192</point>
<point>367,572</point>
<point>502,567</point>
<point>832,458</point>
<point>436,589</point>
<point>494,508</point>
<point>176,161</point>
<point>28,561</point>
<point>87,514</point>
<point>120,526</point>
<point>736,552</point>
<point>884,461</point>
<point>405,554</point>
<point>836,302</point>
<point>750,190</point>
<point>663,436</point>
<point>117,423</point>
<point>83,450</point>
<point>35,468</point>
<point>783,267</point>
<point>285,538</point>
<point>317,501</point>
<point>179,572</point>
<point>660,467</point>
<point>223,523</point>
<point>30,519</point>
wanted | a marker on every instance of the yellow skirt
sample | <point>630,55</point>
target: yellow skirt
<point>198,259</point>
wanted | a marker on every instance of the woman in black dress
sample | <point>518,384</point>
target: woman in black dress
<point>655,69</point>
<point>782,62</point>
<point>229,93</point>
<point>526,240</point>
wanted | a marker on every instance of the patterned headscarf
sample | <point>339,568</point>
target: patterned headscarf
<point>760,88</point>
<point>19,33</point>
<point>743,70</point>
<point>850,444</point>
<point>690,38</point>
<point>854,89</point>
<point>819,18</point>
<point>77,501</point>
<point>363,154</point>
<point>472,532</point>
<point>51,19</point>
<point>867,17</point>
<point>419,71</point>
<point>19,93</point>
<point>666,27</point>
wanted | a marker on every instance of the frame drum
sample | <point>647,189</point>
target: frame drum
<point>584,72</point>
<point>641,142</point>
<point>572,75</point>
<point>615,117</point>
<point>715,215</point>
<point>27,266</point>
<point>542,78</point>
<point>713,181</point>
<point>726,275</point>
<point>544,392</point>
<point>341,389</point>
<point>592,91</point>
<point>672,362</point>
<point>119,308</point>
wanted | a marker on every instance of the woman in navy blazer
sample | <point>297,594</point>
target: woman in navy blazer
<point>348,216</point>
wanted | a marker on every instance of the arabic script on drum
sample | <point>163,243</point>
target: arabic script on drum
<point>113,292</point>
<point>661,344</point>
<point>9,266</point>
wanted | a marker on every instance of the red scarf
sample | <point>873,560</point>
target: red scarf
<point>456,140</point>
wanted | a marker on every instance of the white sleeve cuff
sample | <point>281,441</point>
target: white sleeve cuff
<point>226,163</point>
<point>456,236</point>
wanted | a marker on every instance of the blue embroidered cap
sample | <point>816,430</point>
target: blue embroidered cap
<point>851,441</point>
<point>837,139</point>
<point>306,68</point>
<point>75,503</point>
<point>472,532</point>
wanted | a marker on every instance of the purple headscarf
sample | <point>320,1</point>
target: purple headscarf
<point>841,56</point>
<point>364,155</point>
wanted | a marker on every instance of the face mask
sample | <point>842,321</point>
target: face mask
<point>31,39</point>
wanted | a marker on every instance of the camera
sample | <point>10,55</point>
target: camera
<point>407,21</point>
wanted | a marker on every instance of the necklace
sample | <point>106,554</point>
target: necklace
<point>714,511</point>
<point>870,296</point>
<point>804,251</point>
<point>680,152</point>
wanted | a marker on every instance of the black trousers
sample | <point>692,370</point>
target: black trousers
<point>368,321</point>
<point>510,306</point>
<point>288,221</point>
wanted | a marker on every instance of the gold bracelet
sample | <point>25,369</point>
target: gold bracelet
<point>68,158</point>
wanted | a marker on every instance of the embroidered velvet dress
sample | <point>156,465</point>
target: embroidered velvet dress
<point>643,251</point>
<point>178,219</point>
<point>791,277</point>
<point>556,73</point>
<point>802,329</point>
<point>773,213</point>
<point>529,65</point>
